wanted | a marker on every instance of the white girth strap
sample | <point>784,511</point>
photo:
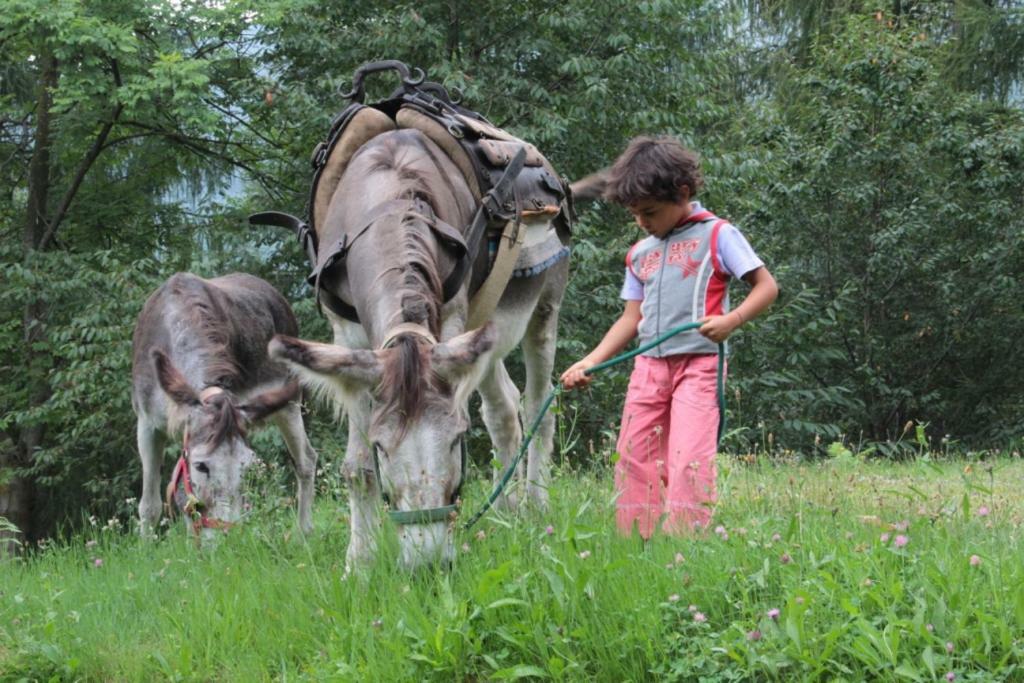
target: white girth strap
<point>407,328</point>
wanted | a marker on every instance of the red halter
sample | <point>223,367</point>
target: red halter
<point>193,507</point>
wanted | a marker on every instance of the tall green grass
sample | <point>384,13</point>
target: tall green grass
<point>802,579</point>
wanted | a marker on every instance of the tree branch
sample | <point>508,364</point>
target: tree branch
<point>83,168</point>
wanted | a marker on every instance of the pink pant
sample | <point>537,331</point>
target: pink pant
<point>667,444</point>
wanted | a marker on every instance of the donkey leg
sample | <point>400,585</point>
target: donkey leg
<point>151,443</point>
<point>500,410</point>
<point>304,458</point>
<point>363,488</point>
<point>539,358</point>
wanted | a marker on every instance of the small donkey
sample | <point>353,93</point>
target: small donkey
<point>200,371</point>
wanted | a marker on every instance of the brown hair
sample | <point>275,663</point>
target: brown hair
<point>653,167</point>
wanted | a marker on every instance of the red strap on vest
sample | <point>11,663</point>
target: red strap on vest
<point>698,217</point>
<point>719,270</point>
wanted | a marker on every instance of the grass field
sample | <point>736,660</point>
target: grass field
<point>843,571</point>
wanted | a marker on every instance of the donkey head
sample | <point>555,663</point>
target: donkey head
<point>419,416</point>
<point>217,452</point>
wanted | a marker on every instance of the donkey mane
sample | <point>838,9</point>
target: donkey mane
<point>227,421</point>
<point>415,169</point>
<point>206,322</point>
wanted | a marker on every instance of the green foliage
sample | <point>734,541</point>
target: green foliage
<point>895,210</point>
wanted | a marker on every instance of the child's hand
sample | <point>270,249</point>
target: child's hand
<point>717,328</point>
<point>574,377</point>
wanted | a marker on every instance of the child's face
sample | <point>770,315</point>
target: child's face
<point>657,217</point>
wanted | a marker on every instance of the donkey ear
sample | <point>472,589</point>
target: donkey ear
<point>269,402</point>
<point>591,188</point>
<point>326,366</point>
<point>172,381</point>
<point>464,357</point>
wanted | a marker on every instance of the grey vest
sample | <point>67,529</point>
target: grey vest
<point>683,282</point>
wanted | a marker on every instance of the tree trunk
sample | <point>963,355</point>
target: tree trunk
<point>18,493</point>
<point>15,503</point>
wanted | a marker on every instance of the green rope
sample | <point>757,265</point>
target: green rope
<point>507,475</point>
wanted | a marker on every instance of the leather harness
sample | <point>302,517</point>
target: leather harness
<point>509,177</point>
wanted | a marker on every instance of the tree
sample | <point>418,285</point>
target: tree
<point>108,105</point>
<point>896,212</point>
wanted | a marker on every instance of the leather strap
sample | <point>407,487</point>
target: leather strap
<point>483,303</point>
<point>414,329</point>
<point>209,392</point>
<point>303,231</point>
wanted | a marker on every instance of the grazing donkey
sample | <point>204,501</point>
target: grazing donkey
<point>200,371</point>
<point>405,371</point>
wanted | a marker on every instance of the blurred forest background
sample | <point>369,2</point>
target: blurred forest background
<point>873,153</point>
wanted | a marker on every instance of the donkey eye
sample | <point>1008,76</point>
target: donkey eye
<point>203,468</point>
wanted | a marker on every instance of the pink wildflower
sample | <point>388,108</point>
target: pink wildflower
<point>699,617</point>
<point>884,538</point>
<point>719,529</point>
<point>97,562</point>
<point>950,676</point>
<point>975,560</point>
<point>773,614</point>
<point>692,608</point>
<point>949,647</point>
<point>785,558</point>
<point>929,628</point>
<point>900,541</point>
<point>754,635</point>
<point>776,537</point>
<point>983,511</point>
<point>549,529</point>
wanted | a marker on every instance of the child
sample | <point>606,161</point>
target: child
<point>678,274</point>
